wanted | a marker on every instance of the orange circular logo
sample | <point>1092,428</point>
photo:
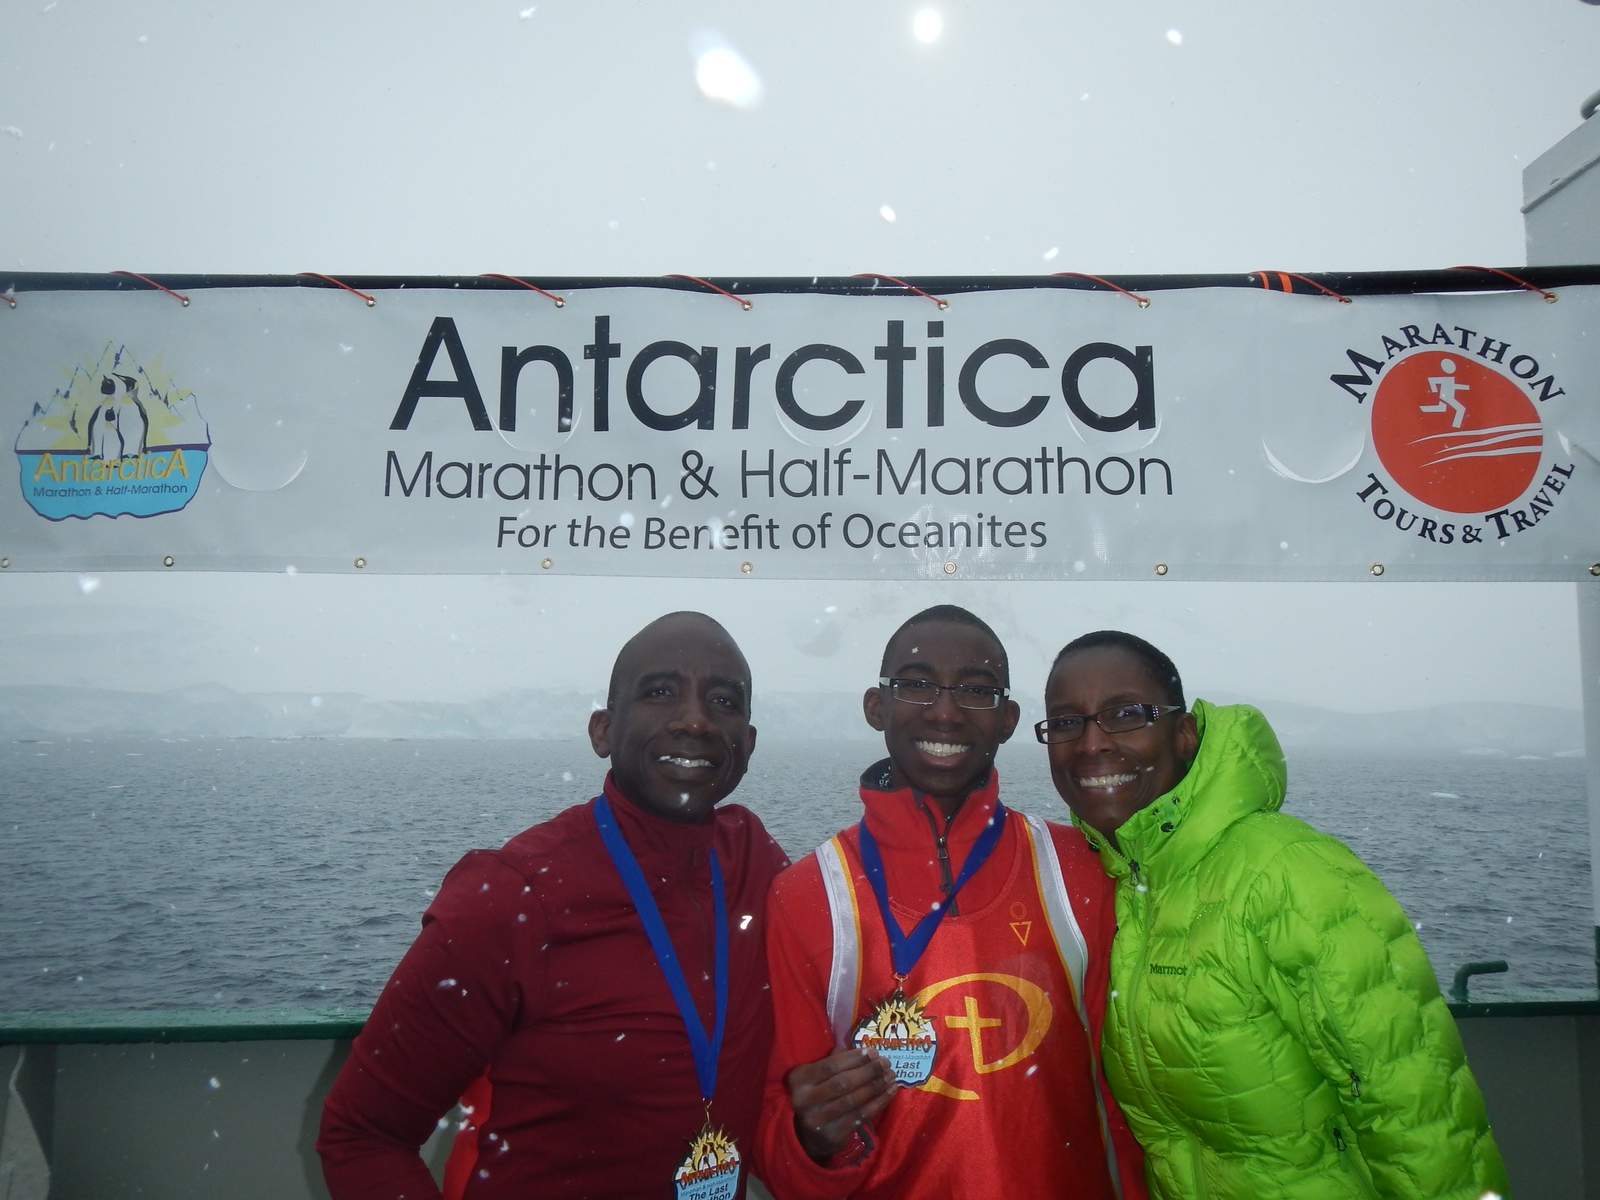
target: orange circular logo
<point>1455,433</point>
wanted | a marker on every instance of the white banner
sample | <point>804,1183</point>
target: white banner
<point>1022,432</point>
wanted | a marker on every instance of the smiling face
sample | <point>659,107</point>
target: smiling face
<point>941,748</point>
<point>677,725</point>
<point>1107,777</point>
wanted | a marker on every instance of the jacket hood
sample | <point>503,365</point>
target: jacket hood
<point>1238,770</point>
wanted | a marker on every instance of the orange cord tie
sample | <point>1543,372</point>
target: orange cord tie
<point>371,300</point>
<point>178,296</point>
<point>706,283</point>
<point>1143,301</point>
<point>1549,297</point>
<point>910,287</point>
<point>558,300</point>
<point>1284,284</point>
<point>8,298</point>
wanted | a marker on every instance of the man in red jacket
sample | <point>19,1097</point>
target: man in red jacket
<point>596,988</point>
<point>939,971</point>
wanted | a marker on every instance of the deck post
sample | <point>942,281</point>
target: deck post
<point>1560,191</point>
<point>1589,665</point>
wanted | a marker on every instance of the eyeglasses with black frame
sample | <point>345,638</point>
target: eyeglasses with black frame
<point>1119,718</point>
<point>976,696</point>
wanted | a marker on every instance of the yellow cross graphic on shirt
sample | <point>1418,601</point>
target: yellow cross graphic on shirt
<point>1040,1014</point>
<point>975,1025</point>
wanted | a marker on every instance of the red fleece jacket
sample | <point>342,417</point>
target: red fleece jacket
<point>533,970</point>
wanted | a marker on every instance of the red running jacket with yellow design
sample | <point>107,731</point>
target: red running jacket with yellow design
<point>1015,1105</point>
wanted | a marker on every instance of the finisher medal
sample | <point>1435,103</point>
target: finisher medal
<point>711,1171</point>
<point>899,1030</point>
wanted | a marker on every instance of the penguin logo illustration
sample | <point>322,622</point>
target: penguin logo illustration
<point>118,438</point>
<point>119,426</point>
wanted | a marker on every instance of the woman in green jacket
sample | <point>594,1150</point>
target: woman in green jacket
<point>1274,1029</point>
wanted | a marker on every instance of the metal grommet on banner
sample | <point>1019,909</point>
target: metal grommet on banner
<point>1142,301</point>
<point>167,560</point>
<point>178,296</point>
<point>910,287</point>
<point>372,301</point>
<point>1285,283</point>
<point>1594,568</point>
<point>1376,568</point>
<point>361,563</point>
<point>746,567</point>
<point>547,563</point>
<point>6,562</point>
<point>1161,568</point>
<point>707,284</point>
<point>1549,296</point>
<point>949,568</point>
<point>559,301</point>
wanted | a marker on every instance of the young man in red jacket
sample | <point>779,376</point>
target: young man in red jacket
<point>596,988</point>
<point>939,970</point>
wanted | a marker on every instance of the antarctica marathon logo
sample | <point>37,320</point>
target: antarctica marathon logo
<point>1459,435</point>
<point>118,439</point>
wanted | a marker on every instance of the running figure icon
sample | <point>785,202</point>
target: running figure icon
<point>1447,387</point>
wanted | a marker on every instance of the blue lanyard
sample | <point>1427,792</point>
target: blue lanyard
<point>706,1050</point>
<point>906,949</point>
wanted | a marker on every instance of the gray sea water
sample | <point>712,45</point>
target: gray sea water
<point>237,874</point>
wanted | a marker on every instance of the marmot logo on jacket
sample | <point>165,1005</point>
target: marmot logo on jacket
<point>1161,969</point>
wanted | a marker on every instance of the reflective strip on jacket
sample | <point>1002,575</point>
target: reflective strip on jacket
<point>1275,1031</point>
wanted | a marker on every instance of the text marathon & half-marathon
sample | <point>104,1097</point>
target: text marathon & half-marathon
<point>762,474</point>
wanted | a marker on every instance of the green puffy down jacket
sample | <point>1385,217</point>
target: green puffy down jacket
<point>1274,1030</point>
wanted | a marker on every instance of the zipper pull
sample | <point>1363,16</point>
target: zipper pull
<point>1338,1139</point>
<point>1355,1085</point>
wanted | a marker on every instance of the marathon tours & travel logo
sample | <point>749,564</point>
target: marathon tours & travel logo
<point>1459,435</point>
<point>118,439</point>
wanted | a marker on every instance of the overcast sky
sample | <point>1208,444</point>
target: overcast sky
<point>608,138</point>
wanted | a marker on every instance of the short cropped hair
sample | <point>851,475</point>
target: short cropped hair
<point>1161,668</point>
<point>956,615</point>
<point>622,654</point>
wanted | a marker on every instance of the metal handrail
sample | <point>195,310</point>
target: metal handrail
<point>1458,989</point>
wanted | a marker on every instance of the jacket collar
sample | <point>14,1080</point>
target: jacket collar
<point>659,844</point>
<point>1238,770</point>
<point>900,817</point>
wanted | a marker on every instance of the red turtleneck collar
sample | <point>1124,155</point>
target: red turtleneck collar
<point>908,839</point>
<point>898,817</point>
<point>655,840</point>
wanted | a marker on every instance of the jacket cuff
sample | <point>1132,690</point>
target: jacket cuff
<point>835,1179</point>
<point>855,1153</point>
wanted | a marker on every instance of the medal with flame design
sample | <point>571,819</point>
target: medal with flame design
<point>711,1170</point>
<point>899,1029</point>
